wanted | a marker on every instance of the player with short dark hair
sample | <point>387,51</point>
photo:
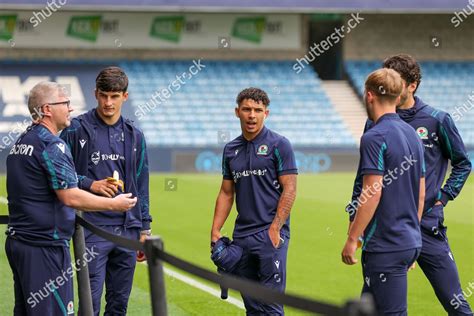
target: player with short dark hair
<point>112,79</point>
<point>42,190</point>
<point>111,157</point>
<point>259,168</point>
<point>408,68</point>
<point>391,203</point>
<point>442,143</point>
<point>255,94</point>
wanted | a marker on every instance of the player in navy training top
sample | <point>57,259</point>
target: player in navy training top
<point>259,168</point>
<point>42,188</point>
<point>392,166</point>
<point>442,143</point>
<point>102,143</point>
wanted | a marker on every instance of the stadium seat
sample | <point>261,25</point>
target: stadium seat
<point>204,105</point>
<point>445,85</point>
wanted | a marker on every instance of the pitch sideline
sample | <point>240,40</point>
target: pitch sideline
<point>201,286</point>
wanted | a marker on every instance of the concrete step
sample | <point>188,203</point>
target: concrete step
<point>348,104</point>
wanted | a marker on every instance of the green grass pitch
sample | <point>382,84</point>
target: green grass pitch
<point>318,223</point>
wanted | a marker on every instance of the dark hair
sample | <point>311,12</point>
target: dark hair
<point>256,94</point>
<point>406,66</point>
<point>111,79</point>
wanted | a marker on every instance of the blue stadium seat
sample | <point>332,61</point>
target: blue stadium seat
<point>204,105</point>
<point>445,85</point>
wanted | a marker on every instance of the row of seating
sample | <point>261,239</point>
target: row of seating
<point>445,85</point>
<point>203,106</point>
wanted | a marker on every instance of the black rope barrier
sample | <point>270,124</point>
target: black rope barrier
<point>252,289</point>
<point>121,241</point>
<point>246,287</point>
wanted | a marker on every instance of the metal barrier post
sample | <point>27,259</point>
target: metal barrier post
<point>157,280</point>
<point>83,282</point>
<point>365,306</point>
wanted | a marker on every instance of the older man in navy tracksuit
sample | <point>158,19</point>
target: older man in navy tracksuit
<point>102,143</point>
<point>42,188</point>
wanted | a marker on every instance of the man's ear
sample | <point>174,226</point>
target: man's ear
<point>267,112</point>
<point>96,94</point>
<point>125,96</point>
<point>237,112</point>
<point>412,87</point>
<point>45,110</point>
<point>370,96</point>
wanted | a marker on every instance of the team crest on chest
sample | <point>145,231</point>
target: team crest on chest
<point>95,157</point>
<point>422,132</point>
<point>262,150</point>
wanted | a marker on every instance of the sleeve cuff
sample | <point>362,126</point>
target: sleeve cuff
<point>444,198</point>
<point>86,184</point>
<point>367,171</point>
<point>289,171</point>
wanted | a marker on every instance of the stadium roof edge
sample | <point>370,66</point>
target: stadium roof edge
<point>212,9</point>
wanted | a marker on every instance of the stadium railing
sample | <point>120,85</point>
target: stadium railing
<point>155,254</point>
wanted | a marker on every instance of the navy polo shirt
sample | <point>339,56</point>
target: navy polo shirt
<point>38,164</point>
<point>393,149</point>
<point>255,166</point>
<point>107,156</point>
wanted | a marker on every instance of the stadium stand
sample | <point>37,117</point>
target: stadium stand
<point>204,106</point>
<point>445,85</point>
<point>425,36</point>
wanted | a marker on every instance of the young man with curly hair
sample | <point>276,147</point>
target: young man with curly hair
<point>259,169</point>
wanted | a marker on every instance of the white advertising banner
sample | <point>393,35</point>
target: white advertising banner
<point>51,28</point>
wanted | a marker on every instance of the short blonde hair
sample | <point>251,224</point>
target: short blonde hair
<point>42,93</point>
<point>386,84</point>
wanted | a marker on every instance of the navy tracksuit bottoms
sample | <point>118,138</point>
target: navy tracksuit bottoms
<point>113,265</point>
<point>43,279</point>
<point>264,263</point>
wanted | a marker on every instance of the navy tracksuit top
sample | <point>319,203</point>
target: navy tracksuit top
<point>98,150</point>
<point>392,150</point>
<point>38,164</point>
<point>442,143</point>
<point>255,166</point>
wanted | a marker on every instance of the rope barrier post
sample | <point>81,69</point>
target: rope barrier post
<point>157,280</point>
<point>363,307</point>
<point>83,282</point>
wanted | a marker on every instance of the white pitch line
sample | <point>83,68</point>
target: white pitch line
<point>202,287</point>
